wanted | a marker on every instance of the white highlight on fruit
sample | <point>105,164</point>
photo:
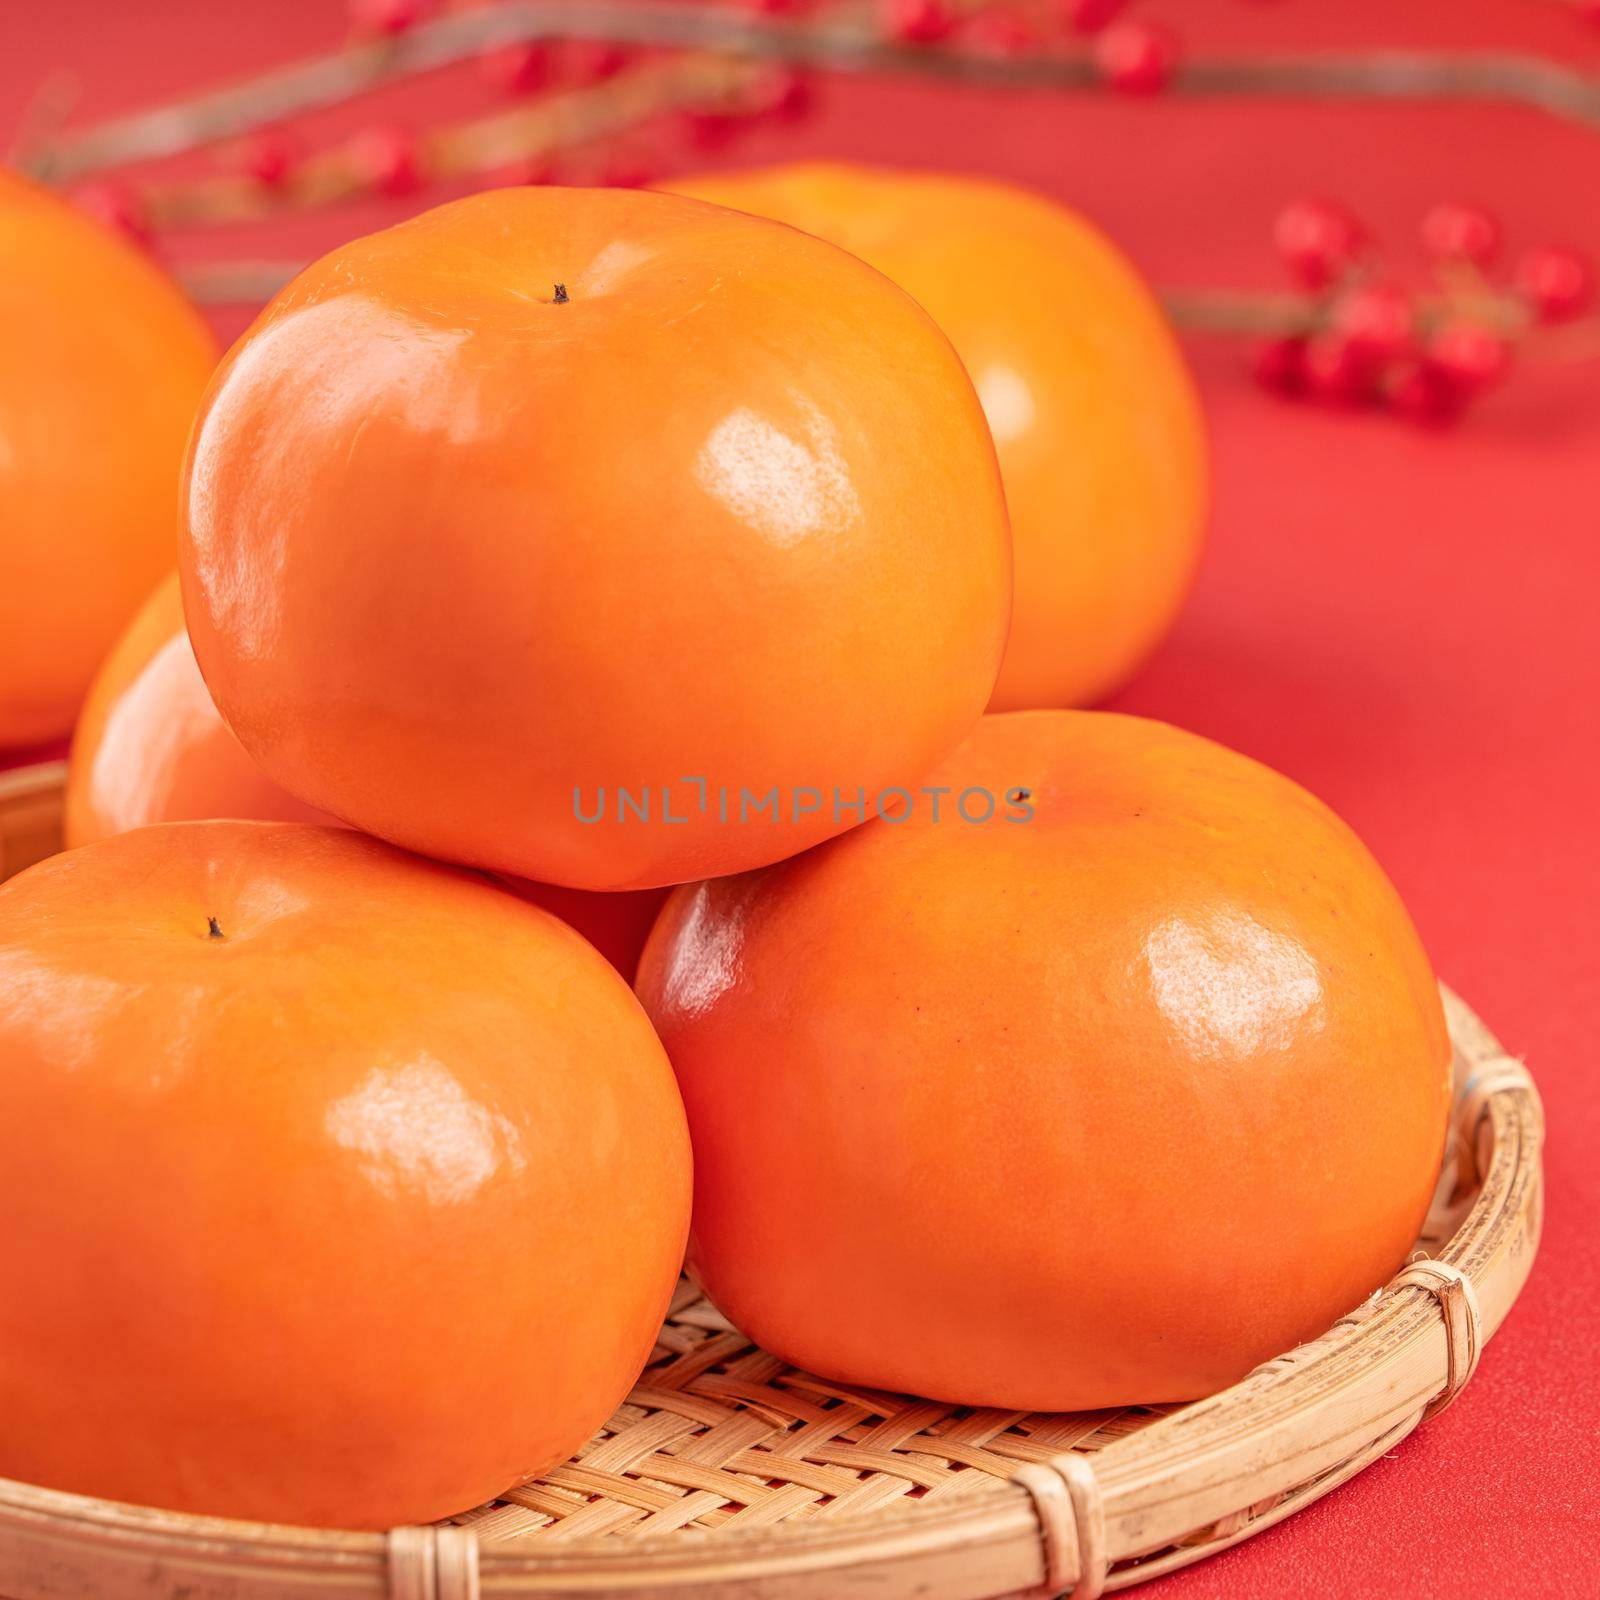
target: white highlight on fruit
<point>262,901</point>
<point>67,1008</point>
<point>1007,402</point>
<point>705,955</point>
<point>786,488</point>
<point>415,1127</point>
<point>337,372</point>
<point>140,754</point>
<point>1229,986</point>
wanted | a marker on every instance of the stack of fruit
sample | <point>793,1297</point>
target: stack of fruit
<point>628,563</point>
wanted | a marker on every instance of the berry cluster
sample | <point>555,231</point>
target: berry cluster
<point>1131,57</point>
<point>273,168</point>
<point>598,110</point>
<point>390,160</point>
<point>1425,353</point>
<point>115,206</point>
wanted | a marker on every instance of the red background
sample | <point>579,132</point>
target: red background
<point>1403,621</point>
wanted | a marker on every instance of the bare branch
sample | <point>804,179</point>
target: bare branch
<point>847,42</point>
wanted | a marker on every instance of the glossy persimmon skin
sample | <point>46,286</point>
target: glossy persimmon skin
<point>352,1216</point>
<point>104,363</point>
<point>1100,1108</point>
<point>1098,427</point>
<point>458,549</point>
<point>151,747</point>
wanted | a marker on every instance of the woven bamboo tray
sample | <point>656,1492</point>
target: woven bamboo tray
<point>727,1475</point>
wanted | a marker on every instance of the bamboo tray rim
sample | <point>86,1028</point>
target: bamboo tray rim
<point>1192,1482</point>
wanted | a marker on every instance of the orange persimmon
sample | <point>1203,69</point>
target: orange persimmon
<point>151,747</point>
<point>1099,431</point>
<point>340,1187</point>
<point>1101,1101</point>
<point>103,364</point>
<point>551,494</point>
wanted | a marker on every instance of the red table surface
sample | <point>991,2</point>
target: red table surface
<point>1403,621</point>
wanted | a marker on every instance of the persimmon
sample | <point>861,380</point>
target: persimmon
<point>551,494</point>
<point>150,745</point>
<point>1099,431</point>
<point>340,1187</point>
<point>104,363</point>
<point>1101,1101</point>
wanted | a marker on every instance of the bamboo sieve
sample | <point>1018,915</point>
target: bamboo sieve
<point>727,1475</point>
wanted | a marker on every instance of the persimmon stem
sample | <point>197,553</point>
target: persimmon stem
<point>847,41</point>
<point>214,928</point>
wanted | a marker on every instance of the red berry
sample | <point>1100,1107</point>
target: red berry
<point>270,156</point>
<point>781,92</point>
<point>1090,16</point>
<point>1455,232</point>
<point>627,172</point>
<point>1556,283</point>
<point>918,21</point>
<point>114,207</point>
<point>534,171</point>
<point>1002,33</point>
<point>1317,239</point>
<point>589,61</point>
<point>778,8</point>
<point>1378,320</point>
<point>710,130</point>
<point>1468,356</point>
<point>1280,366</point>
<point>1136,57</point>
<point>1420,393</point>
<point>387,160</point>
<point>517,68</point>
<point>1336,371</point>
<point>389,17</point>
